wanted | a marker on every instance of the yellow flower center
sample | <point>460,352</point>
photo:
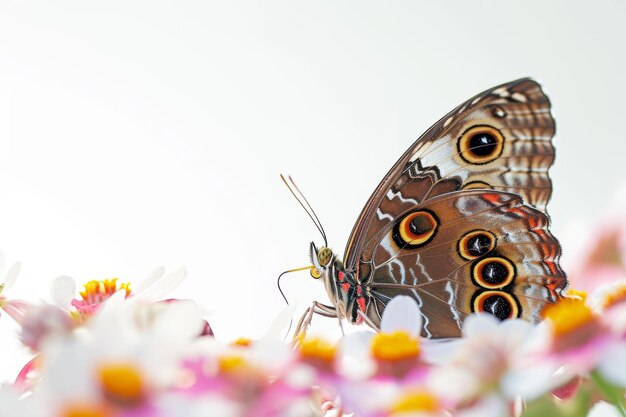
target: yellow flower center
<point>416,402</point>
<point>231,363</point>
<point>96,291</point>
<point>572,293</point>
<point>567,315</point>
<point>318,349</point>
<point>84,410</point>
<point>243,342</point>
<point>617,296</point>
<point>395,346</point>
<point>121,383</point>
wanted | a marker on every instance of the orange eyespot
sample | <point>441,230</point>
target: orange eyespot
<point>498,303</point>
<point>476,243</point>
<point>416,229</point>
<point>480,144</point>
<point>476,185</point>
<point>493,272</point>
<point>324,255</point>
<point>315,273</point>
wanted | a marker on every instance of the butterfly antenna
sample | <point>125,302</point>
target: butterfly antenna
<point>305,205</point>
<point>283,294</point>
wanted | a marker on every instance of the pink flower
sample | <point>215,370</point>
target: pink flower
<point>601,259</point>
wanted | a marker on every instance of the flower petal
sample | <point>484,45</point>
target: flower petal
<point>280,326</point>
<point>62,291</point>
<point>162,286</point>
<point>440,351</point>
<point>151,279</point>
<point>613,364</point>
<point>402,313</point>
<point>603,409</point>
<point>11,276</point>
<point>480,323</point>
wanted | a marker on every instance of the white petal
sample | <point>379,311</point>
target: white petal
<point>212,405</point>
<point>11,277</point>
<point>279,327</point>
<point>531,382</point>
<point>402,313</point>
<point>480,323</point>
<point>62,291</point>
<point>456,384</point>
<point>161,287</point>
<point>613,364</point>
<point>356,360</point>
<point>271,354</point>
<point>151,279</point>
<point>440,351</point>
<point>518,326</point>
<point>603,409</point>
<point>68,374</point>
<point>300,376</point>
<point>180,320</point>
<point>356,344</point>
<point>114,302</point>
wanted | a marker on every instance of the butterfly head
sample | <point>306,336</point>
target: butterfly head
<point>321,259</point>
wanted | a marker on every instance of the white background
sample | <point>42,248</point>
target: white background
<point>139,134</point>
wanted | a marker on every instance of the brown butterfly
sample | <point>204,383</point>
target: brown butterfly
<point>458,223</point>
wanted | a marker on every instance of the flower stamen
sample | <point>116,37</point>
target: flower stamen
<point>84,410</point>
<point>414,402</point>
<point>395,346</point>
<point>96,292</point>
<point>122,384</point>
<point>568,314</point>
<point>319,352</point>
<point>617,296</point>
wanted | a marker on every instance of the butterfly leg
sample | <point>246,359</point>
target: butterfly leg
<point>307,317</point>
<point>368,321</point>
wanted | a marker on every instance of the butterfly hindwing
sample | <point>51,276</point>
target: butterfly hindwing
<point>464,252</point>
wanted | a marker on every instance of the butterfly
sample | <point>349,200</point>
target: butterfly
<point>459,223</point>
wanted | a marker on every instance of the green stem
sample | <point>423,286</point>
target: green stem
<point>610,392</point>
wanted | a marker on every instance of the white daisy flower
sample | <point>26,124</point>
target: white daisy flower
<point>114,359</point>
<point>496,362</point>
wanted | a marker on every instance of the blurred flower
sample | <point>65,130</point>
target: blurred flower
<point>573,335</point>
<point>395,350</point>
<point>598,251</point>
<point>608,301</point>
<point>495,363</point>
<point>114,362</point>
<point>43,321</point>
<point>13,404</point>
<point>111,351</point>
<point>384,373</point>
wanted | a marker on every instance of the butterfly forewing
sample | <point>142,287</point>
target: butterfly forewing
<point>499,139</point>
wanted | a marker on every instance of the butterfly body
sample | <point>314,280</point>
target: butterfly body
<point>459,221</point>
